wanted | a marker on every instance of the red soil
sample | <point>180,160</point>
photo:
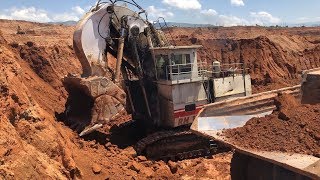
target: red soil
<point>293,128</point>
<point>35,145</point>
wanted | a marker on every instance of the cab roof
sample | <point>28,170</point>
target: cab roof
<point>178,47</point>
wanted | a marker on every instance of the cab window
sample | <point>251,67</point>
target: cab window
<point>177,59</point>
<point>181,59</point>
<point>181,63</point>
<point>186,59</point>
<point>162,66</point>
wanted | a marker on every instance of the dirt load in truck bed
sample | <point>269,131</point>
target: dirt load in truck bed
<point>292,128</point>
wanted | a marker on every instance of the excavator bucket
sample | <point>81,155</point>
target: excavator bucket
<point>249,163</point>
<point>94,99</point>
<point>92,102</point>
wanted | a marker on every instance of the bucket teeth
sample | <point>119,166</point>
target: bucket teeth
<point>90,129</point>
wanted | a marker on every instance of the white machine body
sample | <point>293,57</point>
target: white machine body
<point>186,84</point>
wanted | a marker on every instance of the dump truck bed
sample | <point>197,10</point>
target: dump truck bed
<point>210,123</point>
<point>305,165</point>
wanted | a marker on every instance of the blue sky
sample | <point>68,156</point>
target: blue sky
<point>217,12</point>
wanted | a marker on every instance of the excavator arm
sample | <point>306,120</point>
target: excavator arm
<point>97,96</point>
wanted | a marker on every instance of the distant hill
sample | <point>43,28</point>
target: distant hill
<point>307,24</point>
<point>174,24</point>
<point>169,24</point>
<point>67,23</point>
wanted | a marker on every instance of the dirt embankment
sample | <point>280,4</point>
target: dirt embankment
<point>275,56</point>
<point>33,144</point>
<point>293,128</point>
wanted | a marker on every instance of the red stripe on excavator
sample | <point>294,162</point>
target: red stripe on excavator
<point>183,113</point>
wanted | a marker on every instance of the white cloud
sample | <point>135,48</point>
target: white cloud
<point>183,4</point>
<point>78,10</point>
<point>40,15</point>
<point>155,13</point>
<point>209,12</point>
<point>237,2</point>
<point>230,20</point>
<point>2,16</point>
<point>208,16</point>
<point>303,19</point>
<point>263,18</point>
<point>307,20</point>
<point>74,15</point>
<point>28,14</point>
<point>223,20</point>
<point>211,16</point>
<point>65,17</point>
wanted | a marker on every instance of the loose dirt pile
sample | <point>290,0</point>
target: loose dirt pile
<point>293,128</point>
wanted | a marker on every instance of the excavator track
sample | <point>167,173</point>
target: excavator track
<point>175,145</point>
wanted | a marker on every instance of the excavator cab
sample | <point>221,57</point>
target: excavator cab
<point>180,84</point>
<point>185,83</point>
<point>176,63</point>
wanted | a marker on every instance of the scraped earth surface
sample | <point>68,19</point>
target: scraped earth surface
<point>35,144</point>
<point>293,128</point>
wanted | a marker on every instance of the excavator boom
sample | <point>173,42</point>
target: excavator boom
<point>109,30</point>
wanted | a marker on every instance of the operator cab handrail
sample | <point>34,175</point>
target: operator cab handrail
<point>185,71</point>
<point>203,70</point>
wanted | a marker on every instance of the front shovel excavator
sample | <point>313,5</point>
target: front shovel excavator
<point>165,86</point>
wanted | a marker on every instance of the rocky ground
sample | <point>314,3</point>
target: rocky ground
<point>34,144</point>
